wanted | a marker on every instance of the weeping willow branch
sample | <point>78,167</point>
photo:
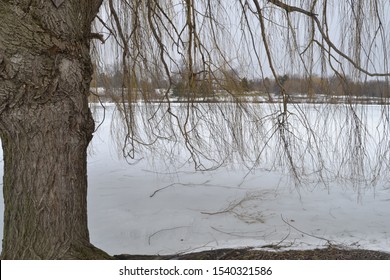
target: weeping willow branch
<point>289,8</point>
<point>202,51</point>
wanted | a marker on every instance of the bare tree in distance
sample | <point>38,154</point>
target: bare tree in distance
<point>45,74</point>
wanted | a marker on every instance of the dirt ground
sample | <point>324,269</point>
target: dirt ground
<point>330,253</point>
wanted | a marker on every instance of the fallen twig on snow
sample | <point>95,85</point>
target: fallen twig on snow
<point>162,230</point>
<point>305,233</point>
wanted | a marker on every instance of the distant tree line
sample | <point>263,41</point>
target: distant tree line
<point>203,86</point>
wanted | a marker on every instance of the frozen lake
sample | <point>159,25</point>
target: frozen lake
<point>154,207</point>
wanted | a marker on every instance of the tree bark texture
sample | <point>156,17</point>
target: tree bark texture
<point>45,127</point>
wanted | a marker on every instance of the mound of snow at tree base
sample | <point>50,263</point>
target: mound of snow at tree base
<point>151,208</point>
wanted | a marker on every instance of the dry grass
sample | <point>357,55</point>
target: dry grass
<point>330,253</point>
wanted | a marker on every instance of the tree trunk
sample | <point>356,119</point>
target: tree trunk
<point>45,127</point>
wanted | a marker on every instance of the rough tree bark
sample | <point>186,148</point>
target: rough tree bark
<point>45,127</point>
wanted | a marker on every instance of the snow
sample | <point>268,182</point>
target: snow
<point>153,208</point>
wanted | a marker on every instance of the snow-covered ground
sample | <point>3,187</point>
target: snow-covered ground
<point>152,208</point>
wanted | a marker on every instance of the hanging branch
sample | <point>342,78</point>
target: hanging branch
<point>314,16</point>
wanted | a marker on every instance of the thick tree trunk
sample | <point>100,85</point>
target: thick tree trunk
<point>45,127</point>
